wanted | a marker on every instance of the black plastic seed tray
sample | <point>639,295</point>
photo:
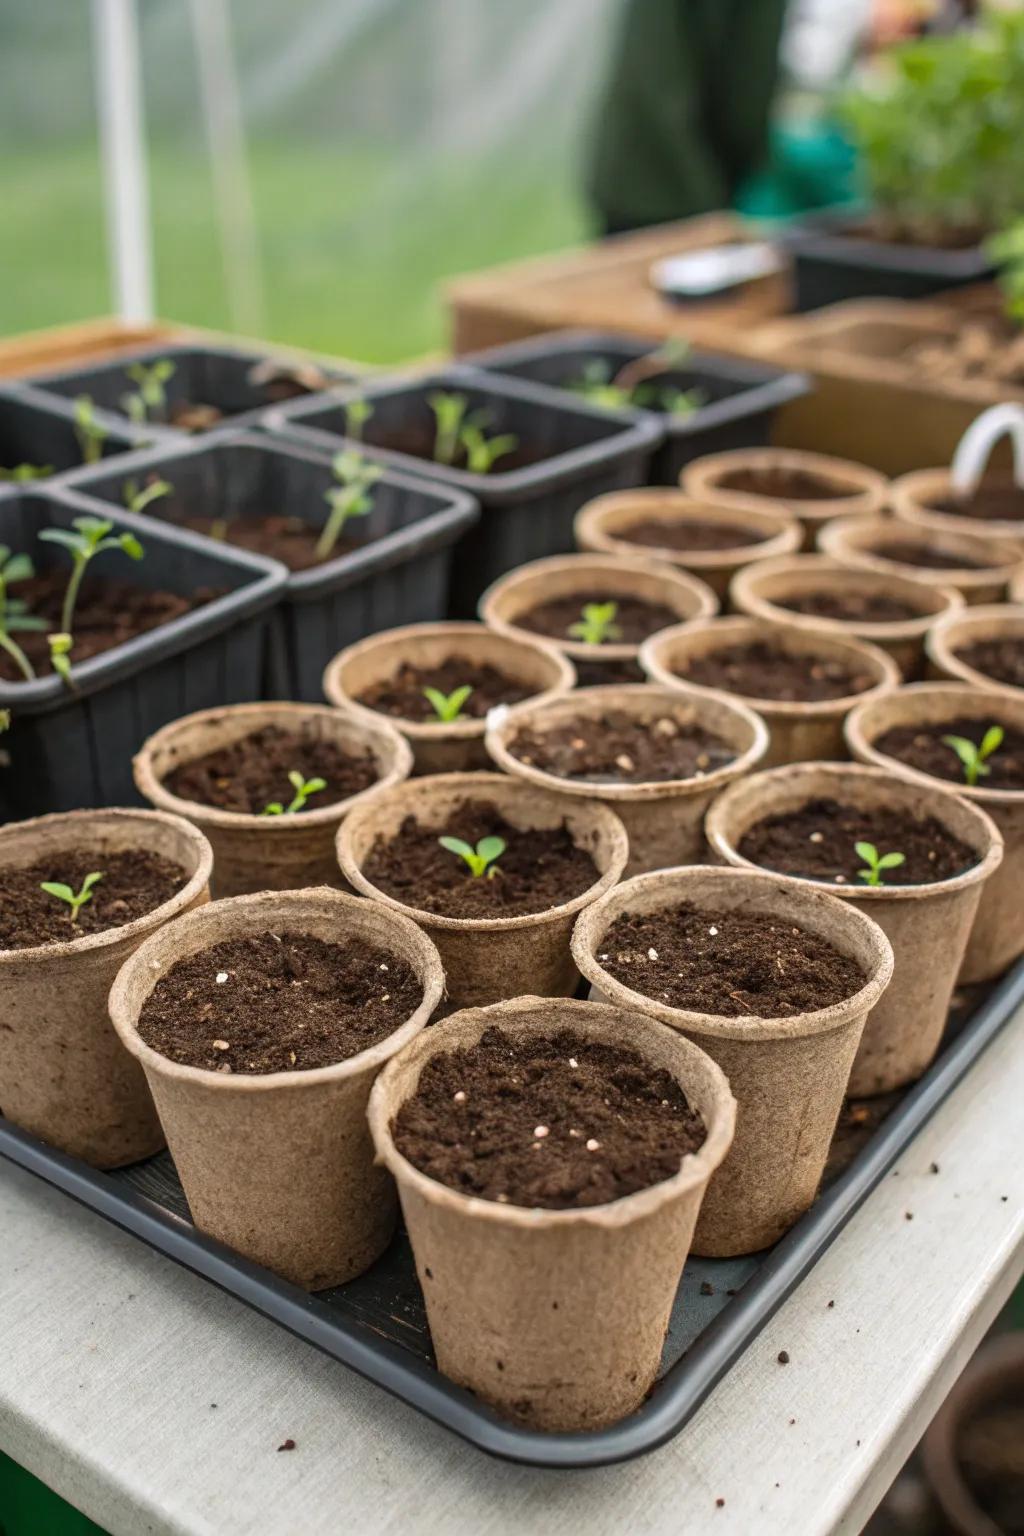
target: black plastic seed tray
<point>377,1323</point>
<point>39,430</point>
<point>832,262</point>
<point>739,400</point>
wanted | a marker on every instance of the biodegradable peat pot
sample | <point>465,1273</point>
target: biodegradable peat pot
<point>979,568</point>
<point>488,959</point>
<point>788,1074</point>
<point>813,487</point>
<point>959,1441</point>
<point>1016,589</point>
<point>998,935</point>
<point>764,590</point>
<point>279,1166</point>
<point>950,644</point>
<point>63,1074</point>
<point>554,1317</point>
<point>458,745</point>
<point>268,853</point>
<point>652,524</point>
<point>663,818</point>
<point>928,925</point>
<point>798,731</point>
<point>925,497</point>
<point>614,577</point>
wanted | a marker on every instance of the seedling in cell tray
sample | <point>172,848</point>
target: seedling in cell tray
<point>91,436</point>
<point>74,899</point>
<point>138,497</point>
<point>479,860</point>
<point>482,452</point>
<point>14,614</point>
<point>20,474</point>
<point>449,411</point>
<point>85,539</point>
<point>349,499</point>
<point>875,863</point>
<point>447,706</point>
<point>974,758</point>
<point>303,788</point>
<point>596,624</point>
<point>149,399</point>
<point>357,414</point>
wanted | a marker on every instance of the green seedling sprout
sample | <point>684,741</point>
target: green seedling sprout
<point>595,384</point>
<point>357,414</point>
<point>449,414</point>
<point>75,899</point>
<point>975,759</point>
<point>447,706</point>
<point>481,859</point>
<point>138,497</point>
<point>876,862</point>
<point>85,539</point>
<point>303,789</point>
<point>349,499</point>
<point>150,396</point>
<point>5,720</point>
<point>14,614</point>
<point>60,655</point>
<point>482,451</point>
<point>20,473</point>
<point>91,436</point>
<point>596,624</point>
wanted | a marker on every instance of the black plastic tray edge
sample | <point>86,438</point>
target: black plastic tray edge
<point>681,1391</point>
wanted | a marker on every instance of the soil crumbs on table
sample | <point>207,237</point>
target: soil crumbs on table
<point>733,964</point>
<point>926,557</point>
<point>784,484</point>
<point>559,1123</point>
<point>288,539</point>
<point>538,869</point>
<point>689,534</point>
<point>401,695</point>
<point>818,841</point>
<point>620,749</point>
<point>925,750</point>
<point>634,620</point>
<point>853,607</point>
<point>1001,659</point>
<point>108,613</point>
<point>252,773</point>
<point>761,670</point>
<point>134,883</point>
<point>278,1002</point>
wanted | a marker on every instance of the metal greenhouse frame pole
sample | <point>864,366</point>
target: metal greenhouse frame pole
<point>123,150</point>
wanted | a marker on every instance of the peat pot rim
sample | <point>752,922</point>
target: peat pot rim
<point>754,794</point>
<point>377,734</point>
<point>860,542</point>
<point>963,700</point>
<point>608,1023</point>
<point>267,909</point>
<point>90,821</point>
<point>591,701</point>
<point>934,600</point>
<point>701,478</point>
<point>462,633</point>
<point>798,902</point>
<point>776,532</point>
<point>988,621</point>
<point>508,794</point>
<point>909,496</point>
<point>741,629</point>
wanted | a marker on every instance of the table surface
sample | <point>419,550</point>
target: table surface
<point>156,1404</point>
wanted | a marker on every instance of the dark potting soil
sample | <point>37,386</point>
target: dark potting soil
<point>727,963</point>
<point>537,870</point>
<point>853,607</point>
<point>996,500</point>
<point>287,539</point>
<point>419,443</point>
<point>598,674</point>
<point>634,619</point>
<point>401,695</point>
<point>784,484</point>
<point>251,773</point>
<point>107,614</point>
<point>925,750</point>
<point>689,533</point>
<point>278,1002</point>
<point>134,883</point>
<point>925,557</point>
<point>1002,659</point>
<point>556,1123</point>
<point>817,842</point>
<point>761,670</point>
<point>620,749</point>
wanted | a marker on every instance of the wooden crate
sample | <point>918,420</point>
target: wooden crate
<point>605,287</point>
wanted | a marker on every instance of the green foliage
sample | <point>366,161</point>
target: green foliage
<point>449,411</point>
<point>349,499</point>
<point>303,789</point>
<point>481,451</point>
<point>635,384</point>
<point>447,706</point>
<point>876,863</point>
<point>85,539</point>
<point>975,758</point>
<point>20,473</point>
<point>596,624</point>
<point>150,397</point>
<point>357,414</point>
<point>14,614</point>
<point>138,497</point>
<point>481,859</point>
<point>1007,251</point>
<point>60,654</point>
<point>90,435</point>
<point>75,899</point>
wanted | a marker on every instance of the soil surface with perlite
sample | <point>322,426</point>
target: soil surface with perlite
<point>818,841</point>
<point>689,534</point>
<point>634,621</point>
<point>278,1002</point>
<point>537,870</point>
<point>853,607</point>
<point>1000,659</point>
<point>620,749</point>
<point>761,670</point>
<point>134,883</point>
<point>559,1123</point>
<point>252,772</point>
<point>782,483</point>
<point>926,751</point>
<point>401,695</point>
<point>732,964</point>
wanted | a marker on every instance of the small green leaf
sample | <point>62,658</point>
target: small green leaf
<point>866,851</point>
<point>891,860</point>
<point>55,888</point>
<point>456,845</point>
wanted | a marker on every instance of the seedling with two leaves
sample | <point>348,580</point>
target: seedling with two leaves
<point>596,624</point>
<point>357,414</point>
<point>974,757</point>
<point>876,863</point>
<point>350,498</point>
<point>14,614</point>
<point>303,788</point>
<point>90,434</point>
<point>447,706</point>
<point>138,497</point>
<point>635,383</point>
<point>84,540</point>
<point>74,899</point>
<point>456,432</point>
<point>149,398</point>
<point>481,859</point>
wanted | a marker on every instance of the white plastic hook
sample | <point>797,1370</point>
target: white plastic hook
<point>974,449</point>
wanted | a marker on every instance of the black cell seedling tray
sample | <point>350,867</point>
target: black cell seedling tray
<point>377,1323</point>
